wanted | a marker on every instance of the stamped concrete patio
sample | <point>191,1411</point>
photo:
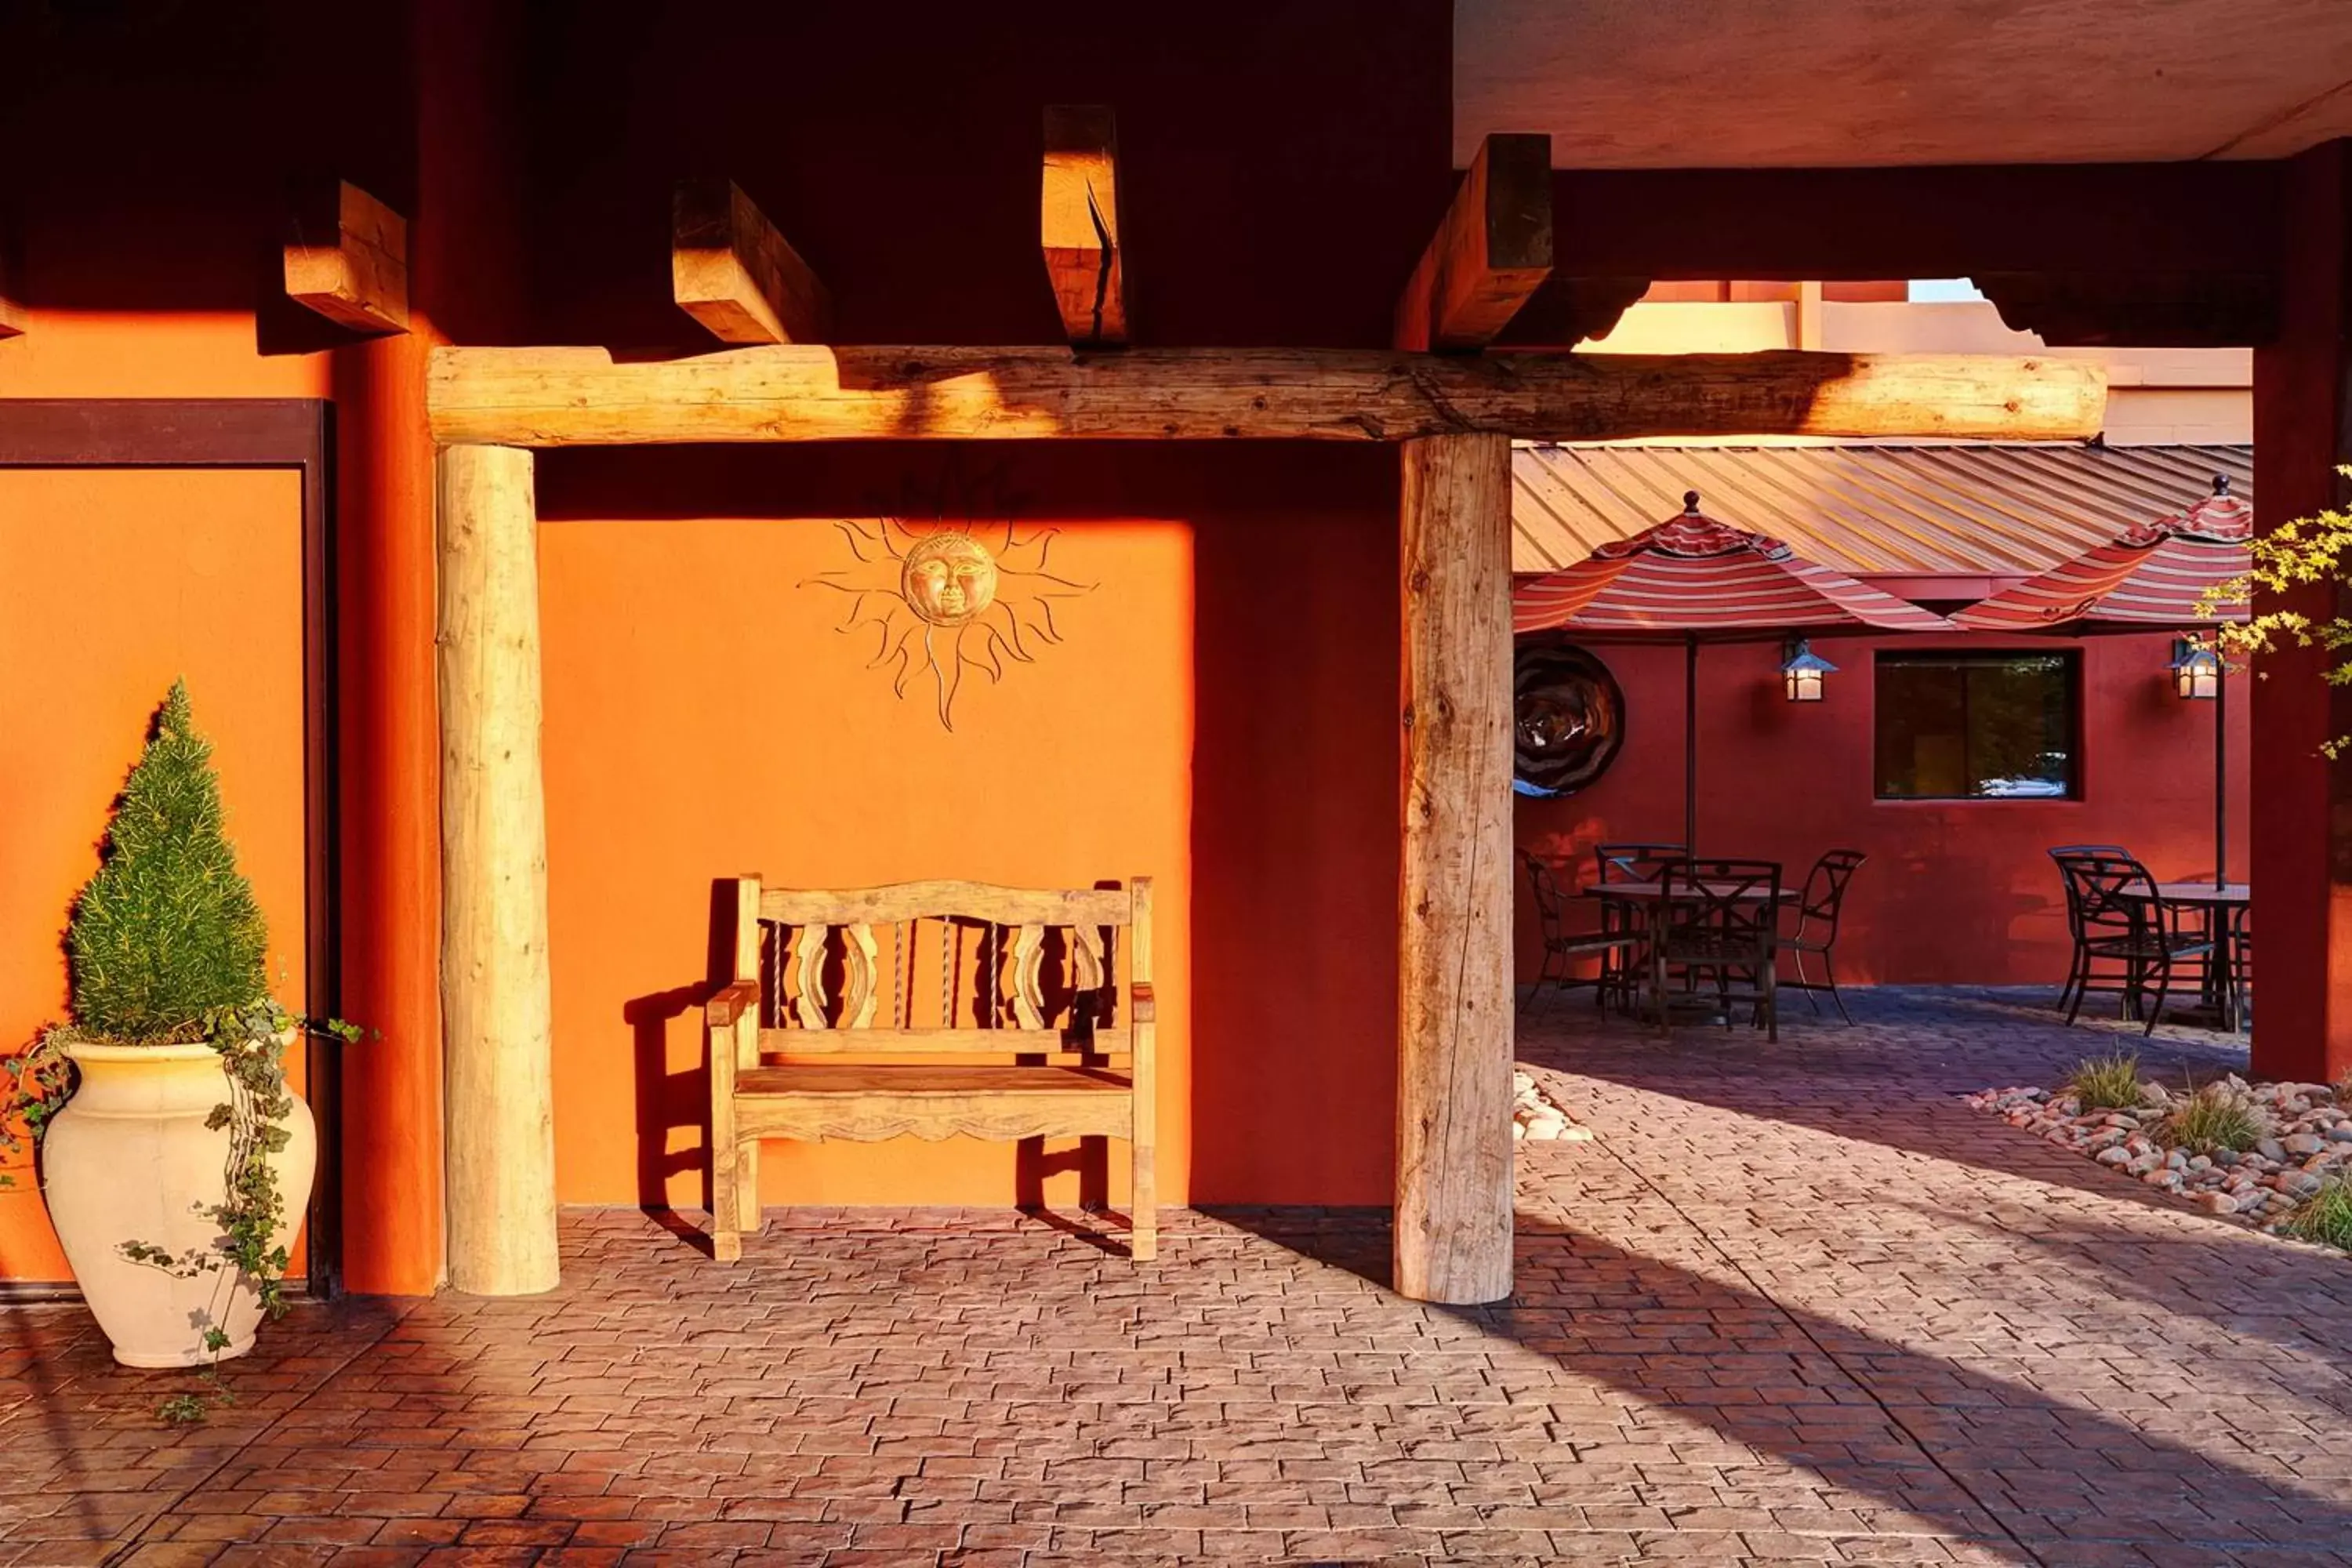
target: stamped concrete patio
<point>1794,1303</point>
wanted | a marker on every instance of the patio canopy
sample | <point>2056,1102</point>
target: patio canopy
<point>2154,576</point>
<point>1956,521</point>
<point>1691,576</point>
<point>1693,579</point>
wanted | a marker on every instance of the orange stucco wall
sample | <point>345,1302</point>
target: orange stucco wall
<point>1954,892</point>
<point>704,717</point>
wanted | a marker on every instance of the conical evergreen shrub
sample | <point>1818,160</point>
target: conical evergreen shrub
<point>168,929</point>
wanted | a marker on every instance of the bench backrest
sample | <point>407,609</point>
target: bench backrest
<point>943,966</point>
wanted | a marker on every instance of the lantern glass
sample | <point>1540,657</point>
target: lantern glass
<point>1802,673</point>
<point>2196,671</point>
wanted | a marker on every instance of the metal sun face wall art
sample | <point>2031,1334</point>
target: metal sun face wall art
<point>950,595</point>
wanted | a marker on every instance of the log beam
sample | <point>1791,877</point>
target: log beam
<point>584,396</point>
<point>349,262</point>
<point>1078,224</point>
<point>496,1007</point>
<point>1453,1234</point>
<point>730,271</point>
<point>1491,251</point>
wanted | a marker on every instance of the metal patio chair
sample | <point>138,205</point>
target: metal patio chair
<point>1561,946</point>
<point>2120,924</point>
<point>1817,926</point>
<point>1719,921</point>
<point>1628,862</point>
<point>2077,960</point>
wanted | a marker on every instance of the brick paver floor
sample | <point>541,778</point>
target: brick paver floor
<point>1793,1303</point>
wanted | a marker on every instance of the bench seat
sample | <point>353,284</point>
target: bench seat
<point>863,1102</point>
<point>927,1082</point>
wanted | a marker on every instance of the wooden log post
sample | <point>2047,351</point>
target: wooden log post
<point>497,1042</point>
<point>1452,1235</point>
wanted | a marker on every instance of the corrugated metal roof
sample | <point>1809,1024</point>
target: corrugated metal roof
<point>1958,509</point>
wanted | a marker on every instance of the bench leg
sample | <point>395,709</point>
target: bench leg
<point>747,1188</point>
<point>1143,1230</point>
<point>726,1205</point>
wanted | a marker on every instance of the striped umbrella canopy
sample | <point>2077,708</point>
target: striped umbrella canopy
<point>2148,578</point>
<point>2152,577</point>
<point>1691,576</point>
<point>1695,579</point>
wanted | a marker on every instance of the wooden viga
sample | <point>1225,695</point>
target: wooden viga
<point>932,1009</point>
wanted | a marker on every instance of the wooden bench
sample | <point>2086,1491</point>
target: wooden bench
<point>1030,977</point>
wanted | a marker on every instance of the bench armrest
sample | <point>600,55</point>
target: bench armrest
<point>730,1002</point>
<point>1145,1009</point>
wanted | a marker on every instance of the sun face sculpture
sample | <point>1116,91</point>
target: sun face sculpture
<point>944,597</point>
<point>949,578</point>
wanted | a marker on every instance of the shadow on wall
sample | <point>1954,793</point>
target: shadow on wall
<point>1296,760</point>
<point>670,1102</point>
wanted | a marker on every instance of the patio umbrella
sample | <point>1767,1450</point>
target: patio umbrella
<point>1693,579</point>
<point>2152,577</point>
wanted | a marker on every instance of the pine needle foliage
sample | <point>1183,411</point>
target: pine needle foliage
<point>168,929</point>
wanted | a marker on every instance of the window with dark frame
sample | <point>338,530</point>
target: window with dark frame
<point>1978,726</point>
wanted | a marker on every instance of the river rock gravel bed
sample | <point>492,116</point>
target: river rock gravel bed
<point>2308,1142</point>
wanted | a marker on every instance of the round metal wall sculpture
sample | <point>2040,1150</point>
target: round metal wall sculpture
<point>1568,718</point>
<point>948,578</point>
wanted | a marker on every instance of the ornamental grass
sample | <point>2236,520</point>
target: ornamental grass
<point>2213,1121</point>
<point>2325,1216</point>
<point>2107,1083</point>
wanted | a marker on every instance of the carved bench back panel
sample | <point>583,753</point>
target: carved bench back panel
<point>943,966</point>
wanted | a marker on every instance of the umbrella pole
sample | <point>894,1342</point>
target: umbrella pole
<point>1690,744</point>
<point>2221,775</point>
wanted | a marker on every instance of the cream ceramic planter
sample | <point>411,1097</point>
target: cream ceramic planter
<point>129,1159</point>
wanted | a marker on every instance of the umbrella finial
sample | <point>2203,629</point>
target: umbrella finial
<point>1690,504</point>
<point>2221,484</point>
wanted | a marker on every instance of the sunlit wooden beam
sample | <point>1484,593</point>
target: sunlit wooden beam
<point>1078,224</point>
<point>1491,250</point>
<point>575,396</point>
<point>730,271</point>
<point>349,262</point>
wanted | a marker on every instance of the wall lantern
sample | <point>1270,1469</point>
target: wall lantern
<point>2196,670</point>
<point>1801,670</point>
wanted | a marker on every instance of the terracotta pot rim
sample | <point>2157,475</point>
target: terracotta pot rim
<point>102,1051</point>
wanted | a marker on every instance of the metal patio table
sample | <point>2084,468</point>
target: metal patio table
<point>2225,906</point>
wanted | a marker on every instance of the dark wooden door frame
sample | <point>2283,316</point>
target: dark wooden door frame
<point>248,433</point>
